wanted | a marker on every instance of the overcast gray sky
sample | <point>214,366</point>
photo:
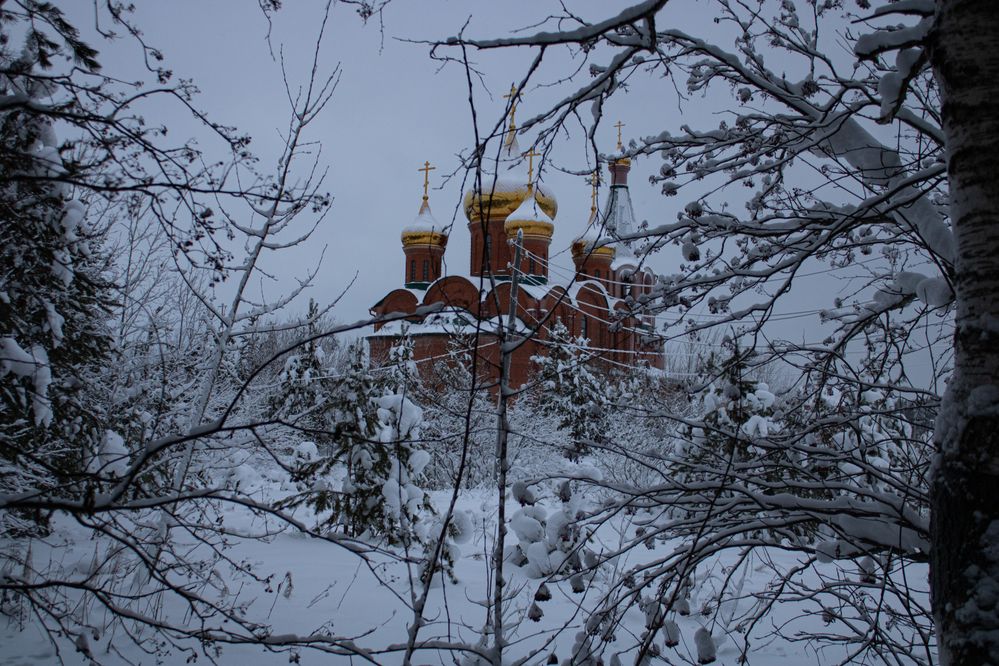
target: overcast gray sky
<point>396,107</point>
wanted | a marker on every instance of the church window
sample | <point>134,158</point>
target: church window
<point>426,270</point>
<point>596,273</point>
<point>530,266</point>
<point>585,327</point>
<point>412,270</point>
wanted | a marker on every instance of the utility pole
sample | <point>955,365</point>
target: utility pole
<point>507,347</point>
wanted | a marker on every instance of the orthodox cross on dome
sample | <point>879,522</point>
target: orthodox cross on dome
<point>530,155</point>
<point>426,169</point>
<point>619,125</point>
<point>513,96</point>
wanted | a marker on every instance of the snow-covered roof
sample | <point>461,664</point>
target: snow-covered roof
<point>577,286</point>
<point>449,322</point>
<point>535,291</point>
<point>626,261</point>
<point>591,233</point>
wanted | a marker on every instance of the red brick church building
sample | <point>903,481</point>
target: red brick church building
<point>601,301</point>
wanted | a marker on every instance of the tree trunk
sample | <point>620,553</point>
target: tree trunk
<point>965,490</point>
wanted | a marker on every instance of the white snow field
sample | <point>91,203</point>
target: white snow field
<point>317,587</point>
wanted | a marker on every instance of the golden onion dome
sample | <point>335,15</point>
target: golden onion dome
<point>425,230</point>
<point>591,243</point>
<point>502,195</point>
<point>503,199</point>
<point>531,218</point>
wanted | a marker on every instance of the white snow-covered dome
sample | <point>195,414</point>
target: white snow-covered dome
<point>424,230</point>
<point>530,217</point>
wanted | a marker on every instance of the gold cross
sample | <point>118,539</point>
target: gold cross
<point>530,155</point>
<point>426,169</point>
<point>619,125</point>
<point>513,96</point>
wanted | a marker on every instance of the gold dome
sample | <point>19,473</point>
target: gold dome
<point>581,247</point>
<point>411,238</point>
<point>529,217</point>
<point>536,228</point>
<point>425,230</point>
<point>504,201</point>
<point>588,243</point>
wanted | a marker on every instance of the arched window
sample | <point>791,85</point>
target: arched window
<point>596,273</point>
<point>426,270</point>
<point>487,255</point>
<point>412,270</point>
<point>530,266</point>
<point>584,332</point>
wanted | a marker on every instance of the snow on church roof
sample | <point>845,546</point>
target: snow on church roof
<point>451,321</point>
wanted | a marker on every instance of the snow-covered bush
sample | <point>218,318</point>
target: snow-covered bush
<point>731,415</point>
<point>549,542</point>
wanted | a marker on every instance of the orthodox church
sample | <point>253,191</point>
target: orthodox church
<point>600,300</point>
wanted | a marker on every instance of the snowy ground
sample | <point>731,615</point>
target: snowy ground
<point>319,586</point>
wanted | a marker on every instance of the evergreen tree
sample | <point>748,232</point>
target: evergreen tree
<point>53,302</point>
<point>407,506</point>
<point>369,428</point>
<point>403,377</point>
<point>571,392</point>
<point>353,427</point>
<point>404,505</point>
<point>728,404</point>
<point>303,398</point>
<point>739,440</point>
<point>447,414</point>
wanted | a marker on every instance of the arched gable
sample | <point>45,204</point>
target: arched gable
<point>397,300</point>
<point>592,305</point>
<point>557,306</point>
<point>497,302</point>
<point>454,291</point>
<point>624,276</point>
<point>648,280</point>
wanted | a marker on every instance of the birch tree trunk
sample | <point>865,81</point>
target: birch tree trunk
<point>965,491</point>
